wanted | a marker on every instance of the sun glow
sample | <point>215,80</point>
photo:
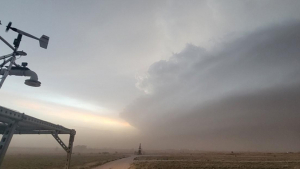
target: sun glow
<point>73,116</point>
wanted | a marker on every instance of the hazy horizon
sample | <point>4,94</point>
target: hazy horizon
<point>207,75</point>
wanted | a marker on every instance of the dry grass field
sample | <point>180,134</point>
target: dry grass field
<point>56,161</point>
<point>219,160</point>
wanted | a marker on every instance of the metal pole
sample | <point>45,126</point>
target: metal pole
<point>69,152</point>
<point>13,58</point>
<point>6,138</point>
<point>9,45</point>
<point>8,69</point>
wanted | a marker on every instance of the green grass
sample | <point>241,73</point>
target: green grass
<point>56,161</point>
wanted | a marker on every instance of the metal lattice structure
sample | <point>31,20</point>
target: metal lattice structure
<point>13,122</point>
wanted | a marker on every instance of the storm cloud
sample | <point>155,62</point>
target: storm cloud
<point>244,94</point>
<point>218,75</point>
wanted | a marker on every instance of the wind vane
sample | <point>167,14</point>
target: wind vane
<point>9,66</point>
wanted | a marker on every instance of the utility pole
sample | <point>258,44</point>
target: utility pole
<point>140,149</point>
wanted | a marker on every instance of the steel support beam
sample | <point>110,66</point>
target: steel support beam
<point>67,149</point>
<point>13,122</point>
<point>60,142</point>
<point>6,138</point>
<point>26,131</point>
<point>7,115</point>
<point>69,152</point>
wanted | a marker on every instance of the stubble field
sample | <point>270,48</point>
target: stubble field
<point>219,160</point>
<point>56,161</point>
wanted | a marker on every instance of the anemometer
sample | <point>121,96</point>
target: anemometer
<point>10,67</point>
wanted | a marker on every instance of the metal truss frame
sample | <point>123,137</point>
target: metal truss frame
<point>13,122</point>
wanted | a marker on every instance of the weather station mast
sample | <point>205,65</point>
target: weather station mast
<point>13,122</point>
<point>12,67</point>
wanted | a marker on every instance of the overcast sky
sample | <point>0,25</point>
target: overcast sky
<point>210,75</point>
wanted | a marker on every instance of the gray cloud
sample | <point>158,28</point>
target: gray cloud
<point>97,47</point>
<point>243,95</point>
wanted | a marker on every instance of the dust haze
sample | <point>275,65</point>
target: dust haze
<point>242,95</point>
<point>170,74</point>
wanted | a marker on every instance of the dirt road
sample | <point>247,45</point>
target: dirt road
<point>123,163</point>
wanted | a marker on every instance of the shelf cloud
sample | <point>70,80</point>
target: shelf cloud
<point>241,95</point>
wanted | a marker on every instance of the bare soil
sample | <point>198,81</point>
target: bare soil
<point>56,161</point>
<point>219,160</point>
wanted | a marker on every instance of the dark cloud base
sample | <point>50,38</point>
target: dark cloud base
<point>266,120</point>
<point>245,95</point>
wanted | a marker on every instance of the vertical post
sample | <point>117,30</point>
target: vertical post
<point>69,152</point>
<point>12,62</point>
<point>140,149</point>
<point>6,73</point>
<point>6,138</point>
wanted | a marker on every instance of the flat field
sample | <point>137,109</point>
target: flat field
<point>56,161</point>
<point>219,160</point>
